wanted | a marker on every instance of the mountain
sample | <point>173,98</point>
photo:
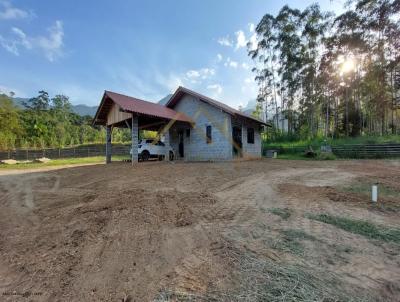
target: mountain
<point>165,99</point>
<point>250,107</point>
<point>84,109</point>
<point>78,109</point>
<point>19,102</point>
<point>81,109</point>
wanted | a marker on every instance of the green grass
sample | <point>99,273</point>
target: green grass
<point>294,234</point>
<point>291,241</point>
<point>360,227</point>
<point>300,156</point>
<point>317,142</point>
<point>61,162</point>
<point>284,213</point>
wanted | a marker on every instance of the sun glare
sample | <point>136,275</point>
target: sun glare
<point>348,65</point>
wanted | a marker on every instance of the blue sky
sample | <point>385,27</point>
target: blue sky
<point>144,49</point>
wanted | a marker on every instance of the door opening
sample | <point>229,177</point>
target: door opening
<point>237,141</point>
<point>181,148</point>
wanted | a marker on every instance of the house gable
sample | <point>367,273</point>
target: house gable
<point>203,115</point>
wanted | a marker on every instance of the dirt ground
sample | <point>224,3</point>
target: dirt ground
<point>197,231</point>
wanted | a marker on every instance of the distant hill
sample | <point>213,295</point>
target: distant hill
<point>81,109</point>
<point>165,99</point>
<point>250,107</point>
<point>84,109</point>
<point>78,109</point>
<point>19,102</point>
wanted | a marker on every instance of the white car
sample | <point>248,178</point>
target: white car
<point>149,148</point>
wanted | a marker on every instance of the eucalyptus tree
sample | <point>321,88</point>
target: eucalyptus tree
<point>379,22</point>
<point>288,23</point>
<point>264,55</point>
<point>314,24</point>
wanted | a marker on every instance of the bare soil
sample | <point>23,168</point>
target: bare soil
<point>123,233</point>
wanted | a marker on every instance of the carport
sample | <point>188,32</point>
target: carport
<point>117,110</point>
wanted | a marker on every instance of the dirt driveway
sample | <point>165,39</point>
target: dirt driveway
<point>265,230</point>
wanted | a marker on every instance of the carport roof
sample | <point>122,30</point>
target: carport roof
<point>135,105</point>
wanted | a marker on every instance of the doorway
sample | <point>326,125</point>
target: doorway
<point>237,141</point>
<point>181,147</point>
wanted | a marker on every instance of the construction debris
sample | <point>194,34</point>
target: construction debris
<point>9,161</point>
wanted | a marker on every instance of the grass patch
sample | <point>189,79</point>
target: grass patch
<point>360,227</point>
<point>301,156</point>
<point>318,142</point>
<point>60,162</point>
<point>291,241</point>
<point>326,156</point>
<point>261,279</point>
<point>284,213</point>
<point>294,234</point>
<point>294,156</point>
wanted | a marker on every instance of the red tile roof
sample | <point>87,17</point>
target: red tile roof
<point>135,105</point>
<point>182,90</point>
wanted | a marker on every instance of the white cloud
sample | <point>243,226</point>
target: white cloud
<point>253,42</point>
<point>252,27</point>
<point>231,63</point>
<point>225,41</point>
<point>8,12</point>
<point>7,90</point>
<point>247,80</point>
<point>10,46</point>
<point>245,66</point>
<point>240,39</point>
<point>195,76</point>
<point>22,37</point>
<point>219,57</point>
<point>51,45</point>
<point>217,88</point>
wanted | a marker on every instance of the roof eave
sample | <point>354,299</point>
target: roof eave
<point>94,122</point>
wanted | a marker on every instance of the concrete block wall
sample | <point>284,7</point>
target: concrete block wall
<point>196,147</point>
<point>135,138</point>
<point>251,150</point>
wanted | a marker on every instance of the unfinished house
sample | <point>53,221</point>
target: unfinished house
<point>197,127</point>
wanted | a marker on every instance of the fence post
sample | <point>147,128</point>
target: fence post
<point>88,151</point>
<point>9,154</point>
<point>74,151</point>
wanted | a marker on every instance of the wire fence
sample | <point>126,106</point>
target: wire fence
<point>343,151</point>
<point>69,152</point>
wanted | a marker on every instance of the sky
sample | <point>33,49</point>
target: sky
<point>144,49</point>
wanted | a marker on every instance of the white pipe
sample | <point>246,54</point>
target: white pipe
<point>374,193</point>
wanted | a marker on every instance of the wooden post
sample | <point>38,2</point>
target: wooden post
<point>108,144</point>
<point>135,138</point>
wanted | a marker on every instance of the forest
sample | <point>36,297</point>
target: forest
<point>330,76</point>
<point>319,75</point>
<point>47,122</point>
